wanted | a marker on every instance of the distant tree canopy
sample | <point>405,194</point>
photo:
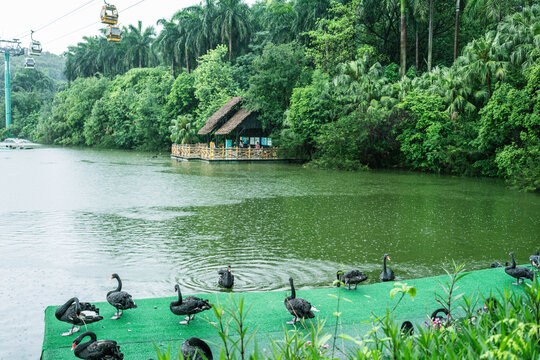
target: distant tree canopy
<point>429,85</point>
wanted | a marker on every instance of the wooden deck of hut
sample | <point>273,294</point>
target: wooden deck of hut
<point>230,124</point>
<point>205,153</point>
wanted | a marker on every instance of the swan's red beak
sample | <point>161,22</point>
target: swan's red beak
<point>112,277</point>
<point>73,346</point>
<point>388,257</point>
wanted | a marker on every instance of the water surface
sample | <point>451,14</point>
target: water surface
<point>70,218</point>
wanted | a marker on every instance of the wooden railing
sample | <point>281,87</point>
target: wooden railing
<point>202,151</point>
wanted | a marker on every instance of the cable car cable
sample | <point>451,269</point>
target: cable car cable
<point>94,23</point>
<point>25,34</point>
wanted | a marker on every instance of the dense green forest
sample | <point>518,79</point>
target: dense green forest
<point>430,85</point>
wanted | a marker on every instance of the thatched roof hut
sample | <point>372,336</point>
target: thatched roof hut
<point>233,121</point>
<point>221,116</point>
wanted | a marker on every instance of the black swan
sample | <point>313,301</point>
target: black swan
<point>196,349</point>
<point>353,277</point>
<point>535,260</point>
<point>489,306</point>
<point>188,306</point>
<point>298,307</point>
<point>438,321</point>
<point>498,264</point>
<point>386,274</point>
<point>518,272</point>
<point>407,328</point>
<point>77,313</point>
<point>226,278</point>
<point>121,300</point>
<point>96,350</point>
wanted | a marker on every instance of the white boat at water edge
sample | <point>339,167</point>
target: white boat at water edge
<point>15,143</point>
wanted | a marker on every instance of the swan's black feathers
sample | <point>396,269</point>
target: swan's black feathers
<point>68,313</point>
<point>121,300</point>
<point>190,305</point>
<point>353,277</point>
<point>226,279</point>
<point>387,275</point>
<point>96,350</point>
<point>299,308</point>
<point>535,260</point>
<point>196,349</point>
<point>518,272</point>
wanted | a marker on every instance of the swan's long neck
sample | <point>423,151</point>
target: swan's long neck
<point>384,264</point>
<point>84,345</point>
<point>62,309</point>
<point>119,287</point>
<point>513,261</point>
<point>179,302</point>
<point>293,292</point>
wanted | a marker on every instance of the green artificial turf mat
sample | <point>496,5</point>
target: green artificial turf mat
<point>152,321</point>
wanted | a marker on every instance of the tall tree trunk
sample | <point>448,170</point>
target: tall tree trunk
<point>172,66</point>
<point>430,36</point>
<point>456,30</point>
<point>230,44</point>
<point>416,45</point>
<point>488,79</point>
<point>140,61</point>
<point>403,43</point>
<point>187,60</point>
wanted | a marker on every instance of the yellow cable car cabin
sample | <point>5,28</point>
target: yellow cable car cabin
<point>109,14</point>
<point>113,33</point>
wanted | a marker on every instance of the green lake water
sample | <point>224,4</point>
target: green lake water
<point>70,218</point>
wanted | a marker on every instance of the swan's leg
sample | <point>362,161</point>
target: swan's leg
<point>187,318</point>
<point>117,315</point>
<point>70,332</point>
<point>355,286</point>
<point>292,322</point>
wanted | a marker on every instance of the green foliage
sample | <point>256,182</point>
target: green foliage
<point>130,113</point>
<point>214,84</point>
<point>335,39</point>
<point>357,141</point>
<point>277,71</point>
<point>183,129</point>
<point>310,109</point>
<point>426,131</point>
<point>181,100</point>
<point>71,109</point>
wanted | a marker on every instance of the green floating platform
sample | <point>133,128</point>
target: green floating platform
<point>152,322</point>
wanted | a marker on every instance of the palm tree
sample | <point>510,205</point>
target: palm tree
<point>307,14</point>
<point>482,60</point>
<point>140,44</point>
<point>233,19</point>
<point>456,30</point>
<point>166,40</point>
<point>403,39</point>
<point>183,129</point>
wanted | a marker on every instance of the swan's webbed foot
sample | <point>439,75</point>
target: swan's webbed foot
<point>72,330</point>
<point>187,318</point>
<point>117,315</point>
<point>184,322</point>
<point>517,283</point>
<point>292,322</point>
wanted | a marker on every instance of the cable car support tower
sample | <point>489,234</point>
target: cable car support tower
<point>9,48</point>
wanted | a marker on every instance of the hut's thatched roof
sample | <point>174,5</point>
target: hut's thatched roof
<point>224,111</point>
<point>233,123</point>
